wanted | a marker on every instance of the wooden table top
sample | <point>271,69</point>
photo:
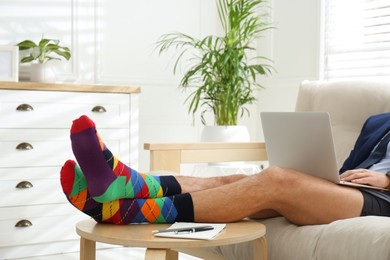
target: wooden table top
<point>140,235</point>
<point>67,87</point>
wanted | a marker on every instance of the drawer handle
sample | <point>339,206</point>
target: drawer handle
<point>24,146</point>
<point>99,109</point>
<point>23,223</point>
<point>25,107</point>
<point>24,185</point>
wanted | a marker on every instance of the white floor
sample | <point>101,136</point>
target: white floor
<point>117,253</point>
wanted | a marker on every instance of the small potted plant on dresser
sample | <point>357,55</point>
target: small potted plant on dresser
<point>40,54</point>
<point>221,72</point>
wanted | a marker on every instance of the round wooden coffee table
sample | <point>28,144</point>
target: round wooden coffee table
<point>140,235</point>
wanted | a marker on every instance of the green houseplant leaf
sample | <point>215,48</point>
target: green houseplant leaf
<point>220,71</point>
<point>42,52</point>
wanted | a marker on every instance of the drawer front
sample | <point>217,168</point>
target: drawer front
<point>52,147</point>
<point>30,186</point>
<point>47,251</point>
<point>53,231</point>
<point>68,250</point>
<point>42,192</point>
<point>45,109</point>
<point>42,230</point>
<point>19,174</point>
<point>30,212</point>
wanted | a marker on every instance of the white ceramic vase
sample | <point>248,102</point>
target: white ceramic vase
<point>42,72</point>
<point>233,133</point>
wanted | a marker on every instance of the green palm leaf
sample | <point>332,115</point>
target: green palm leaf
<point>224,81</point>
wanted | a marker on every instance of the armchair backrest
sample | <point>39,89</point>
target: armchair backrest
<point>349,103</point>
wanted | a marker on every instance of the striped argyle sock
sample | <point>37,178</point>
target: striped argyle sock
<point>123,211</point>
<point>108,178</point>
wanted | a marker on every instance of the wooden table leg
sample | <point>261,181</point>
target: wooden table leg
<point>160,254</point>
<point>87,249</point>
<point>260,248</point>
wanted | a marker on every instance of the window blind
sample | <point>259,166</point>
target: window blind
<point>356,38</point>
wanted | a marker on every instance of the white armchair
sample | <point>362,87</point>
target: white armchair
<point>349,103</point>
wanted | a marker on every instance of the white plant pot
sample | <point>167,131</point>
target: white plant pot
<point>233,133</point>
<point>42,72</point>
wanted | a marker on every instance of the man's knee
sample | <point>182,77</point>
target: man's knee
<point>279,175</point>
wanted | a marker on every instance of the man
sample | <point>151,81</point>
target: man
<point>109,191</point>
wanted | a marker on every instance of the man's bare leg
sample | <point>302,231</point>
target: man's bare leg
<point>301,198</point>
<point>266,213</point>
<point>192,184</point>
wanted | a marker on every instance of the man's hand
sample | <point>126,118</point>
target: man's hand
<point>364,176</point>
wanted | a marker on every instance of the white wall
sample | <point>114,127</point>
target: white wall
<point>295,49</point>
<point>113,42</point>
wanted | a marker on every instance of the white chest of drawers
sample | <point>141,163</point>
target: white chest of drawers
<point>35,119</point>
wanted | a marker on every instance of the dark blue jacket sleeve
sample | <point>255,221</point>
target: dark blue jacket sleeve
<point>372,131</point>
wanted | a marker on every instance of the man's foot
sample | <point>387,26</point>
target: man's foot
<point>123,211</point>
<point>108,178</point>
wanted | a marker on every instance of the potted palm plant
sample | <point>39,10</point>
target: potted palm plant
<point>39,54</point>
<point>221,74</point>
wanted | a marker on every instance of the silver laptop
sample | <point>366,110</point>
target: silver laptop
<point>302,141</point>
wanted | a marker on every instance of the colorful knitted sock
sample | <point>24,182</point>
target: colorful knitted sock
<point>123,211</point>
<point>109,179</point>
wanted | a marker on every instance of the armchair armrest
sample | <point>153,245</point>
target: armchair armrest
<point>169,156</point>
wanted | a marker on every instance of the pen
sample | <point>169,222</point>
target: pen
<point>186,229</point>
